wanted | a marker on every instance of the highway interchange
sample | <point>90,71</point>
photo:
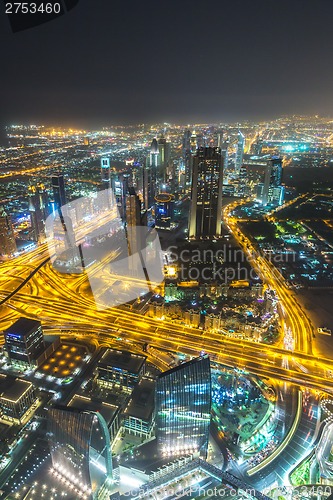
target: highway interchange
<point>65,302</point>
<point>65,305</point>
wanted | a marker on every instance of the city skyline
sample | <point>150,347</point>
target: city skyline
<point>165,292</point>
<point>166,250</point>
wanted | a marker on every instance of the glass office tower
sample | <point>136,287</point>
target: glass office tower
<point>206,194</point>
<point>183,405</point>
<point>81,449</point>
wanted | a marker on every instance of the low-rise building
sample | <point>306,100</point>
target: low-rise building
<point>18,399</point>
<point>120,368</point>
<point>139,412</point>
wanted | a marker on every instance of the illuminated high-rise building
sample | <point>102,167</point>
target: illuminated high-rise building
<point>194,142</point>
<point>271,192</point>
<point>239,152</point>
<point>119,186</point>
<point>164,205</point>
<point>117,182</point>
<point>81,450</point>
<point>206,194</point>
<point>256,148</point>
<point>183,406</point>
<point>275,171</point>
<point>187,140</point>
<point>164,150</point>
<point>187,159</point>
<point>223,143</point>
<point>150,175</point>
<point>106,172</point>
<point>39,211</point>
<point>59,194</point>
<point>7,238</point>
<point>133,222</point>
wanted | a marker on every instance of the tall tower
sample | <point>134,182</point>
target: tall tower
<point>59,195</point>
<point>206,194</point>
<point>106,172</point>
<point>183,406</point>
<point>151,175</point>
<point>223,143</point>
<point>187,158</point>
<point>39,211</point>
<point>133,220</point>
<point>193,141</point>
<point>164,149</point>
<point>272,191</point>
<point>135,232</point>
<point>7,238</point>
<point>117,184</point>
<point>164,205</point>
<point>239,152</point>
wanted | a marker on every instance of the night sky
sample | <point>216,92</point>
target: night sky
<point>131,61</point>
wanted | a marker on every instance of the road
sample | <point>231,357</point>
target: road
<point>64,302</point>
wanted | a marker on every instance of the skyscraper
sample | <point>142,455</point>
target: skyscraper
<point>257,145</point>
<point>164,203</point>
<point>119,185</point>
<point>206,194</point>
<point>164,150</point>
<point>187,158</point>
<point>183,405</point>
<point>223,143</point>
<point>239,152</point>
<point>7,238</point>
<point>106,172</point>
<point>194,141</point>
<point>150,176</point>
<point>81,450</point>
<point>271,192</point>
<point>276,173</point>
<point>59,195</point>
<point>133,222</point>
<point>39,211</point>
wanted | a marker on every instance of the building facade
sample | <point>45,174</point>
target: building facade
<point>183,406</point>
<point>239,152</point>
<point>206,194</point>
<point>59,194</point>
<point>138,414</point>
<point>7,238</point>
<point>39,211</point>
<point>81,450</point>
<point>120,368</point>
<point>24,342</point>
<point>164,207</point>
<point>271,192</point>
<point>18,399</point>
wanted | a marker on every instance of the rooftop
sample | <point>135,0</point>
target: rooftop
<point>141,403</point>
<point>85,403</point>
<point>23,326</point>
<point>12,388</point>
<point>123,360</point>
<point>183,366</point>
